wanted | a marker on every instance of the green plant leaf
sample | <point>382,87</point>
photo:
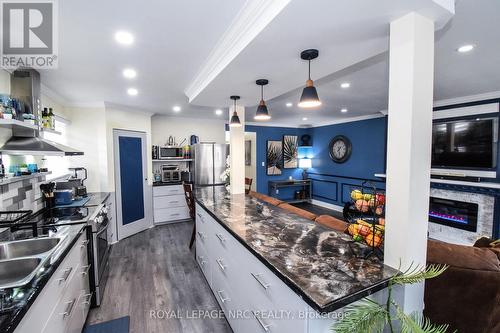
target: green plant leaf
<point>367,316</point>
<point>417,323</point>
<point>416,274</point>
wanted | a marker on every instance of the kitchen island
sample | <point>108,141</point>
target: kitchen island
<point>298,266</point>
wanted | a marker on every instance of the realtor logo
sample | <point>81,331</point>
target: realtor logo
<point>29,34</point>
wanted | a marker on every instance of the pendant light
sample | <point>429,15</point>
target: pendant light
<point>309,98</point>
<point>262,112</point>
<point>235,120</point>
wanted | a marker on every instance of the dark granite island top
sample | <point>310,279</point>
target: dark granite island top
<point>316,262</point>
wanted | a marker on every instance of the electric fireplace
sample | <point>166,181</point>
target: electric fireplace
<point>453,213</point>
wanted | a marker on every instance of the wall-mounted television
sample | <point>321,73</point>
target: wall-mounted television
<point>465,144</point>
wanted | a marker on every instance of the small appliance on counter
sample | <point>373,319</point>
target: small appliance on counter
<point>75,183</point>
<point>63,197</point>
<point>170,152</point>
<point>170,173</point>
<point>155,152</point>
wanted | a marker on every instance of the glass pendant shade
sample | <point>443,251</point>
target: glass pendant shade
<point>262,112</point>
<point>309,98</point>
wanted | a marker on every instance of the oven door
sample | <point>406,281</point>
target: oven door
<point>101,253</point>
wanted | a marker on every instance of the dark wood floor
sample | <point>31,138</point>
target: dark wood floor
<point>318,210</point>
<point>154,270</point>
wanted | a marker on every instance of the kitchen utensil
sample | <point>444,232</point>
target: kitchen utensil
<point>170,141</point>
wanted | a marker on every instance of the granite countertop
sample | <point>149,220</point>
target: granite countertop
<point>321,265</point>
<point>15,302</point>
<point>97,198</point>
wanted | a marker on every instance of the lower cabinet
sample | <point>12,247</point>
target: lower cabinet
<point>252,297</point>
<point>169,204</point>
<point>63,304</point>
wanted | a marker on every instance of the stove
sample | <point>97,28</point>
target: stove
<point>63,215</point>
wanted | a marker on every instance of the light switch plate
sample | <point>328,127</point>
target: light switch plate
<point>263,163</point>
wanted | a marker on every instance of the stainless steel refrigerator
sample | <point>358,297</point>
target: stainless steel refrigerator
<point>209,163</point>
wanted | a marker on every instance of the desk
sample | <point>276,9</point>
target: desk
<point>273,186</point>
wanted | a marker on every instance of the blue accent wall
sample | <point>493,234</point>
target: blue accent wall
<point>333,182</point>
<point>263,134</point>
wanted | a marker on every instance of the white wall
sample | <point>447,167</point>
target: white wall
<point>87,132</point>
<point>250,170</point>
<point>208,130</point>
<point>4,82</point>
<point>126,120</point>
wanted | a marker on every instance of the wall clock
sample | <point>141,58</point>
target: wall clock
<point>340,149</point>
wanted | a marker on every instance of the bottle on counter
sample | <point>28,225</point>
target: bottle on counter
<point>52,119</point>
<point>45,116</point>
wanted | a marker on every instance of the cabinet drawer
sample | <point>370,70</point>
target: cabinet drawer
<point>203,262</point>
<point>226,298</point>
<point>169,201</point>
<point>168,190</point>
<point>171,214</point>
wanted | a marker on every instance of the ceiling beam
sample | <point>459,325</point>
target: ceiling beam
<point>254,16</point>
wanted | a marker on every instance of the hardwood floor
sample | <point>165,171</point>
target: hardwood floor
<point>155,271</point>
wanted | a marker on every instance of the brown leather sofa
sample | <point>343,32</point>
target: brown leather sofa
<point>325,220</point>
<point>467,295</point>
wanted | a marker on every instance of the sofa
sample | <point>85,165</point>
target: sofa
<point>324,220</point>
<point>467,295</point>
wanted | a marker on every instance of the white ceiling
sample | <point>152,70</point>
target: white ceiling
<point>174,40</point>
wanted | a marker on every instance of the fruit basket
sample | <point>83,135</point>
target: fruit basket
<point>366,215</point>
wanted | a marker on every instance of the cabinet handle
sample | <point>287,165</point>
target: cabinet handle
<point>220,237</point>
<point>201,217</point>
<point>202,262</point>
<point>265,326</point>
<point>222,299</point>
<point>221,265</point>
<point>202,235</point>
<point>258,277</point>
<point>85,270</point>
<point>85,243</point>
<point>65,275</point>
<point>69,308</point>
<point>175,214</point>
<point>88,297</point>
<point>172,202</point>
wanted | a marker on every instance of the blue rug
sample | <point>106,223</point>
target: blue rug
<point>120,325</point>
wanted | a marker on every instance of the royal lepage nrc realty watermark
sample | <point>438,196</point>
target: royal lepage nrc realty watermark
<point>29,32</point>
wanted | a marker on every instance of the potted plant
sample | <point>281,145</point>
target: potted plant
<point>369,316</point>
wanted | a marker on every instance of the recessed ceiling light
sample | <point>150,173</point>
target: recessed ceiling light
<point>345,85</point>
<point>124,37</point>
<point>304,119</point>
<point>218,112</point>
<point>289,105</point>
<point>465,48</point>
<point>343,110</point>
<point>129,73</point>
<point>132,91</point>
<point>176,108</point>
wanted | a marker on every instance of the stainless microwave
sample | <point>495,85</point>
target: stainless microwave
<point>169,152</point>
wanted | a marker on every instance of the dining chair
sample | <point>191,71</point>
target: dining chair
<point>188,194</point>
<point>248,185</point>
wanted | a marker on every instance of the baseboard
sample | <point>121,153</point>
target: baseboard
<point>327,205</point>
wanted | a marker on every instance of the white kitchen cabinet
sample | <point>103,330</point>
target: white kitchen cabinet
<point>63,304</point>
<point>240,282</point>
<point>169,204</point>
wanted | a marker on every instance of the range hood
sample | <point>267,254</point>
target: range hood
<point>25,86</point>
<point>22,145</point>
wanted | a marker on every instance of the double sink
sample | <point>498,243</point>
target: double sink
<point>21,260</point>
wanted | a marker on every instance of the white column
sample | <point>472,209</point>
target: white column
<point>409,139</point>
<point>237,151</point>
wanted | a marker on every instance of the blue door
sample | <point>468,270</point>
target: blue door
<point>132,197</point>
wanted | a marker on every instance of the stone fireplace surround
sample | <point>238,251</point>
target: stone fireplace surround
<point>485,218</point>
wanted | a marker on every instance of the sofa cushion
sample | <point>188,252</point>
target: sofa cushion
<point>462,256</point>
<point>266,198</point>
<point>332,222</point>
<point>301,212</point>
